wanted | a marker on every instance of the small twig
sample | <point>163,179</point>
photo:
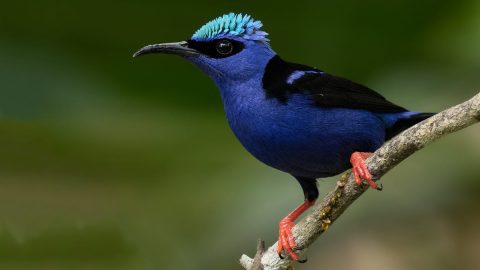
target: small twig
<point>256,263</point>
<point>384,159</point>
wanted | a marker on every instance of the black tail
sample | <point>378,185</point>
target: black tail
<point>405,123</point>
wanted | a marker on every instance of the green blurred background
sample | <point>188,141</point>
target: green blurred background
<point>111,163</point>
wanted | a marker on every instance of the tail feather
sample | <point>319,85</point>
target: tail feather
<point>404,123</point>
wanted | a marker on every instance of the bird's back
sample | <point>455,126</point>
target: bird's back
<point>307,123</point>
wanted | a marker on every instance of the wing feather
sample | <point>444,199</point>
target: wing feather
<point>331,91</point>
<point>281,79</point>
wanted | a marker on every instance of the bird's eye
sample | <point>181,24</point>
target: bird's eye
<point>224,47</point>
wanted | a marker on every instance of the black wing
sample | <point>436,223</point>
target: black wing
<point>331,91</point>
<point>325,90</point>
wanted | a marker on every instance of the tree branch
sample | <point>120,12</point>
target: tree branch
<point>384,159</point>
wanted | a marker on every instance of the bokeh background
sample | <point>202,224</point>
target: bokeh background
<point>111,163</point>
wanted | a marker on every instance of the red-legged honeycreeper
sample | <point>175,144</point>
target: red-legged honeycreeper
<point>292,117</point>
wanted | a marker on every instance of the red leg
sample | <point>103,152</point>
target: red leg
<point>285,237</point>
<point>360,170</point>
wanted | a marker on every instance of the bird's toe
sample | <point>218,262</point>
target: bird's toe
<point>360,170</point>
<point>286,241</point>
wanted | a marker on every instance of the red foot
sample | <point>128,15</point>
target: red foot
<point>360,170</point>
<point>286,241</point>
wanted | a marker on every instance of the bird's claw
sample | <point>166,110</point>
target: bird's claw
<point>286,240</point>
<point>297,248</point>
<point>303,260</point>
<point>360,170</point>
<point>380,187</point>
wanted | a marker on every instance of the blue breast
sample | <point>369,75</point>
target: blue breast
<point>297,137</point>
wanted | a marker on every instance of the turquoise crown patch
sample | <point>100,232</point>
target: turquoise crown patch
<point>232,25</point>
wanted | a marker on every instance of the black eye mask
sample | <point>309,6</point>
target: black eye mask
<point>219,48</point>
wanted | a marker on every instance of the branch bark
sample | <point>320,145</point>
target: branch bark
<point>347,191</point>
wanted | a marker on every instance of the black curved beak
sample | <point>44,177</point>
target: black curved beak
<point>178,48</point>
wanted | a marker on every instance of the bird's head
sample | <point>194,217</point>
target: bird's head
<point>231,47</point>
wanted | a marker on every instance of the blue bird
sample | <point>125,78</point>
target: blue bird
<point>292,117</point>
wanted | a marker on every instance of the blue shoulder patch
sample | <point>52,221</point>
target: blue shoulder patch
<point>232,25</point>
<point>297,74</point>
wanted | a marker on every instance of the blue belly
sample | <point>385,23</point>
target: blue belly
<point>302,139</point>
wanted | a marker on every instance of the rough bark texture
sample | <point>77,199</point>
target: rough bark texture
<point>347,191</point>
